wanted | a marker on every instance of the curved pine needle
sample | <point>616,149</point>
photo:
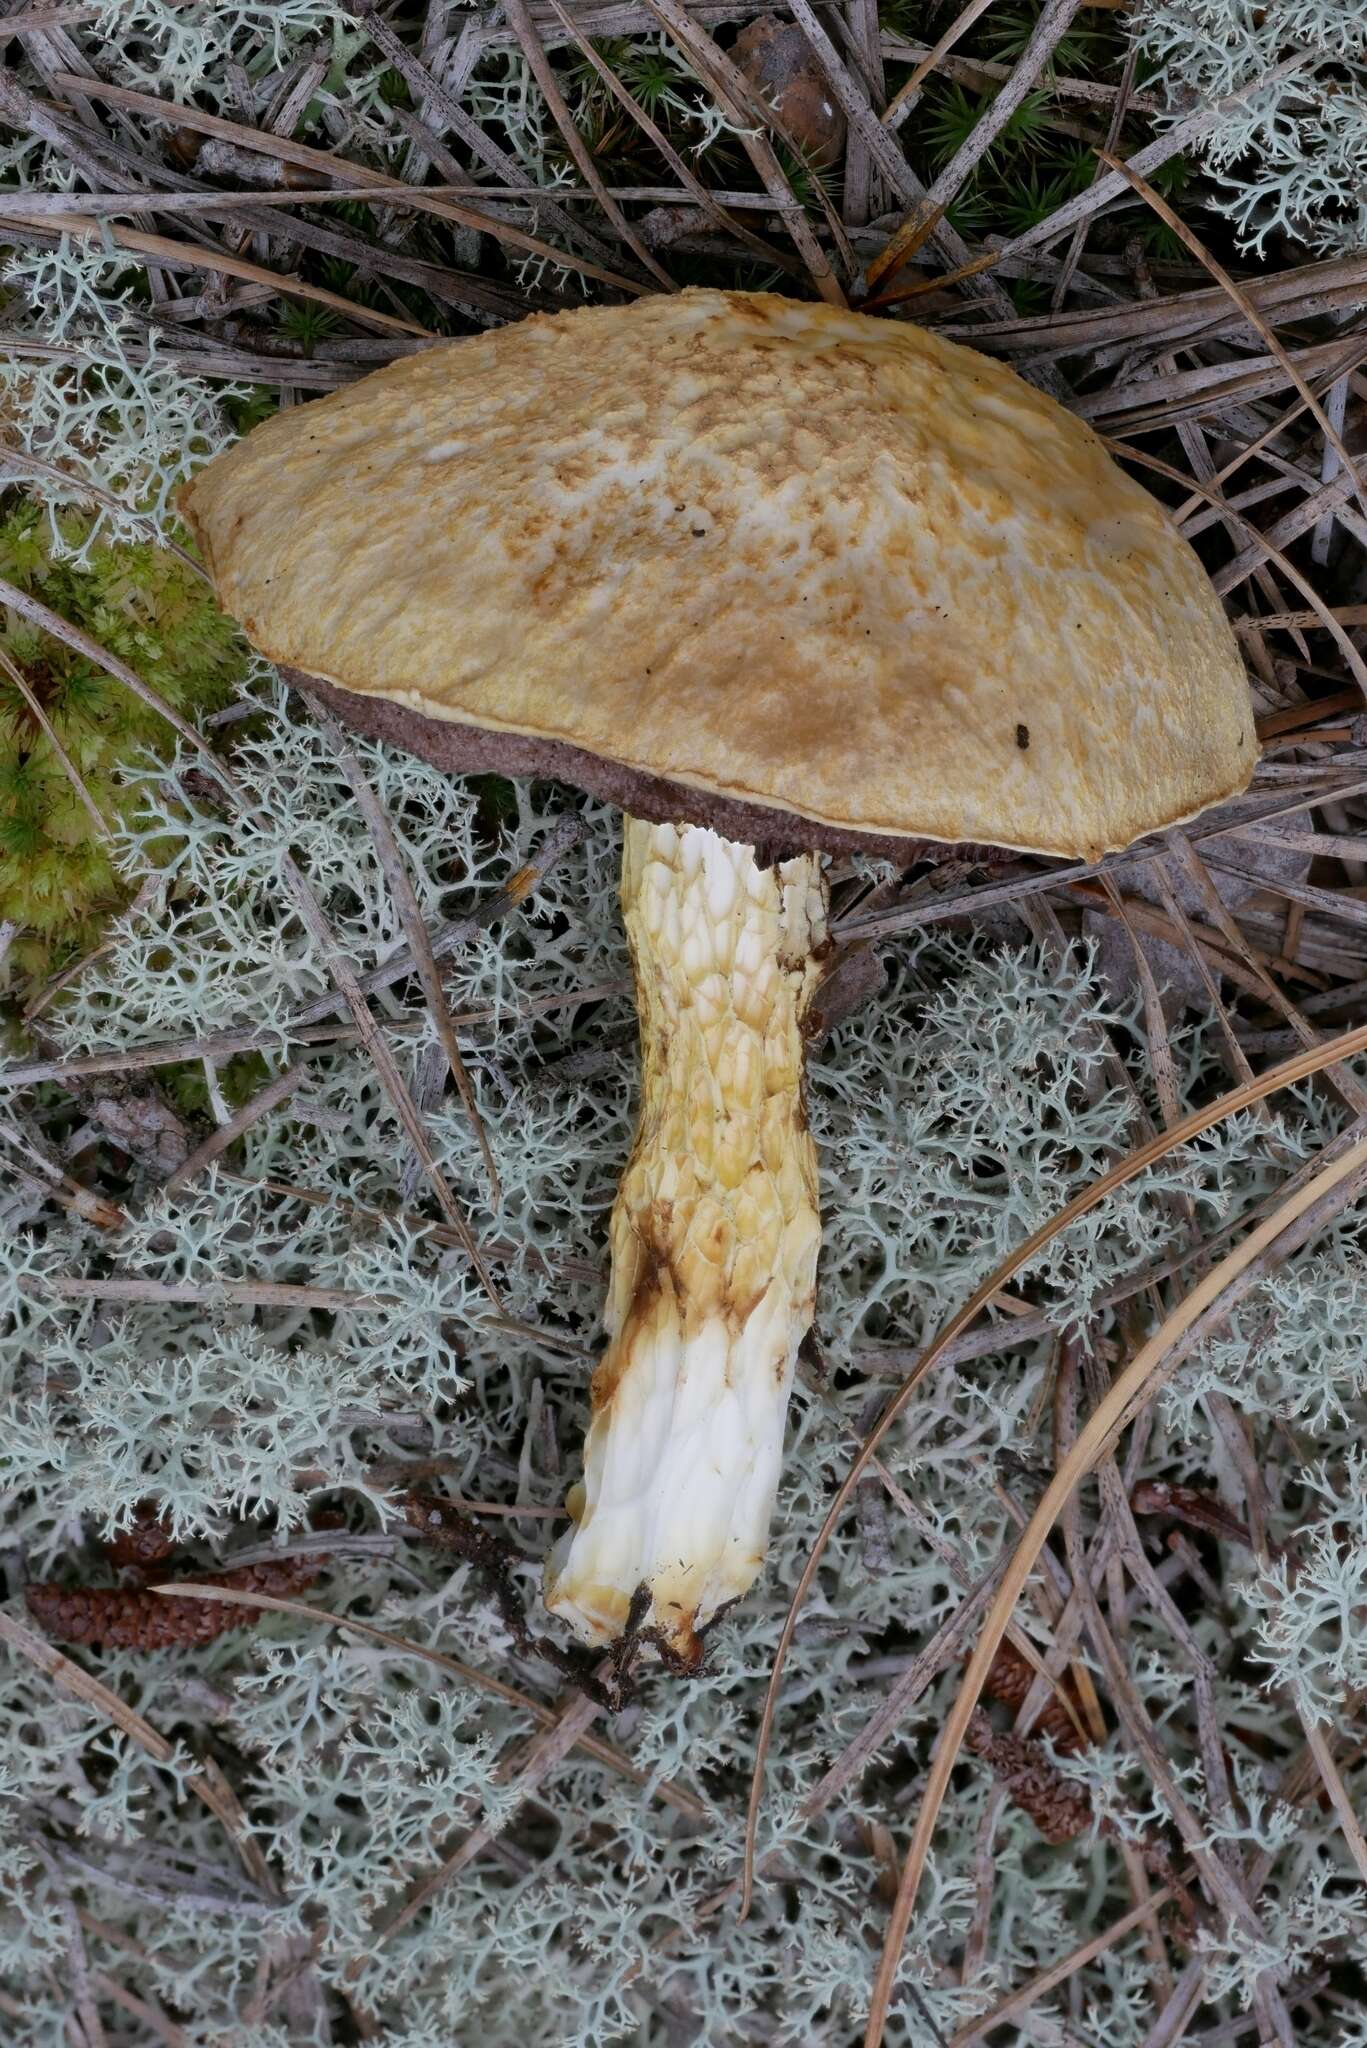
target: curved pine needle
<point>1247,308</point>
<point>1124,453</point>
<point>1298,1068</point>
<point>1105,1423</point>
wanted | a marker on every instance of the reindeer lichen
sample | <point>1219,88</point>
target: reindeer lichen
<point>953,1112</point>
<point>1290,157</point>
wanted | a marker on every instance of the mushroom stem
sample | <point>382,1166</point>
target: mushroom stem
<point>714,1236</point>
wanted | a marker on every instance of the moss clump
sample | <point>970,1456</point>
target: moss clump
<point>58,879</point>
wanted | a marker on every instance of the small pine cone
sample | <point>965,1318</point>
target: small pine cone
<point>1059,1809</point>
<point>152,1621</point>
<point>146,1542</point>
<point>1010,1678</point>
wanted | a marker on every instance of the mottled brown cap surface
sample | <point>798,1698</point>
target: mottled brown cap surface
<point>779,556</point>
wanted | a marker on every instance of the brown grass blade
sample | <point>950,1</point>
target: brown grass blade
<point>882,149</point>
<point>82,487</point>
<point>439,102</point>
<point>905,98</point>
<point>343,976</point>
<point>518,16</point>
<point>1058,1973</point>
<point>692,184</point>
<point>1177,916</point>
<point>550,1748</point>
<point>1051,25</point>
<point>1155,1023</point>
<point>108,664</point>
<point>1343,1078</point>
<point>339,968</point>
<point>732,93</point>
<point>213,1789</point>
<point>940,281</point>
<point>45,726</point>
<point>1180,136</point>
<point>1318,1743</point>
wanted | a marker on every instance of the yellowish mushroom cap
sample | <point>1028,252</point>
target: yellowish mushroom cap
<point>776,555</point>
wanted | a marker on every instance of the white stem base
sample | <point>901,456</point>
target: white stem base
<point>715,1235</point>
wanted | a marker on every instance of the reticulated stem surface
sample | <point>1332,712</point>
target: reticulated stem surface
<point>714,1241</point>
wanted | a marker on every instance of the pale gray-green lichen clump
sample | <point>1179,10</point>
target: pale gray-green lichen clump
<point>951,1115</point>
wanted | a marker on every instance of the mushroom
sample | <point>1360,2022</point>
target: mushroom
<point>780,580</point>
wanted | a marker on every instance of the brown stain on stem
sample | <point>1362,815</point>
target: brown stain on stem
<point>714,1235</point>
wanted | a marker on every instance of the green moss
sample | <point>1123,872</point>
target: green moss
<point>57,878</point>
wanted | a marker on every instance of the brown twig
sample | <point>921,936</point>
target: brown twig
<point>191,256</point>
